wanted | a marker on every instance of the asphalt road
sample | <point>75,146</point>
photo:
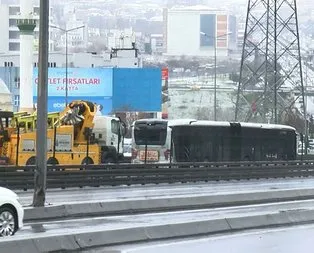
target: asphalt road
<point>129,221</point>
<point>60,196</point>
<point>280,240</point>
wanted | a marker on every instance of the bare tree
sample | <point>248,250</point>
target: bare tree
<point>292,118</point>
<point>128,116</point>
<point>203,113</point>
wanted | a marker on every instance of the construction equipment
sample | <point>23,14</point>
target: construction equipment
<point>70,137</point>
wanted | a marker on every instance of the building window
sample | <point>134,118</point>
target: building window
<point>36,10</point>
<point>52,64</point>
<point>14,34</point>
<point>8,64</point>
<point>16,100</point>
<point>14,10</point>
<point>14,46</point>
<point>12,22</point>
<point>17,82</point>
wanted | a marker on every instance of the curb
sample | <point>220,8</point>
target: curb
<point>82,240</point>
<point>133,206</point>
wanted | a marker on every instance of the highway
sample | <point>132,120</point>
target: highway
<point>269,240</point>
<point>62,196</point>
<point>74,226</point>
<point>101,229</point>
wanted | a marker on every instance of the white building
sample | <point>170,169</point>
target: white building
<point>120,38</point>
<point>125,58</point>
<point>10,34</point>
<point>5,97</point>
<point>192,31</point>
<point>122,58</point>
<point>157,43</point>
<point>77,33</point>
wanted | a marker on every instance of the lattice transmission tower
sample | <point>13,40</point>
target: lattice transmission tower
<point>271,79</point>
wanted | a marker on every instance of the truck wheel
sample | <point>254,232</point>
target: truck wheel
<point>52,161</point>
<point>87,160</point>
<point>31,161</point>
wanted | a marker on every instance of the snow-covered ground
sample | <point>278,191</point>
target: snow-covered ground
<point>196,100</point>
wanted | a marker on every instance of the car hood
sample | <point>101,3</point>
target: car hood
<point>7,192</point>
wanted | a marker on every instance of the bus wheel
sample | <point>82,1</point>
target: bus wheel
<point>52,161</point>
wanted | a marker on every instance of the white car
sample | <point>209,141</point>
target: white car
<point>11,212</point>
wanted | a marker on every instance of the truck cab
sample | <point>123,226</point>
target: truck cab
<point>109,133</point>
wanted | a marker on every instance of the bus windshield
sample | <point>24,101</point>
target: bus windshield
<point>150,133</point>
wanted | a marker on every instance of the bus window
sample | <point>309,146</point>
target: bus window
<point>195,146</point>
<point>150,134</point>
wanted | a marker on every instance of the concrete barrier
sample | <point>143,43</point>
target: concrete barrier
<point>84,240</point>
<point>131,206</point>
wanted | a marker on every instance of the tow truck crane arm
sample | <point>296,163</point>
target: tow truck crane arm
<point>80,114</point>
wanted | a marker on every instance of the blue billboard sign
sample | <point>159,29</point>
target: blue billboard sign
<point>115,89</point>
<point>81,82</point>
<point>207,30</point>
<point>137,89</point>
<point>57,104</point>
<point>233,29</point>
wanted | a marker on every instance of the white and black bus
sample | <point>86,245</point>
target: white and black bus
<point>212,141</point>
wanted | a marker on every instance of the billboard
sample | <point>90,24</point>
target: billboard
<point>233,29</point>
<point>222,31</point>
<point>81,82</point>
<point>208,27</point>
<point>137,89</point>
<point>56,104</point>
<point>115,89</point>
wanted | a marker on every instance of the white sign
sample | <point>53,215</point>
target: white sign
<point>64,142</point>
<point>28,145</point>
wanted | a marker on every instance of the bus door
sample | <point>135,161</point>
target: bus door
<point>235,142</point>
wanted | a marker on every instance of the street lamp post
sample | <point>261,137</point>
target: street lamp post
<point>215,68</point>
<point>40,184</point>
<point>66,56</point>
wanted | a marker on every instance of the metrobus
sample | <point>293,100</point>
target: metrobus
<point>151,140</point>
<point>212,141</point>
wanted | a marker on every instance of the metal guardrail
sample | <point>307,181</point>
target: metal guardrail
<point>64,176</point>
